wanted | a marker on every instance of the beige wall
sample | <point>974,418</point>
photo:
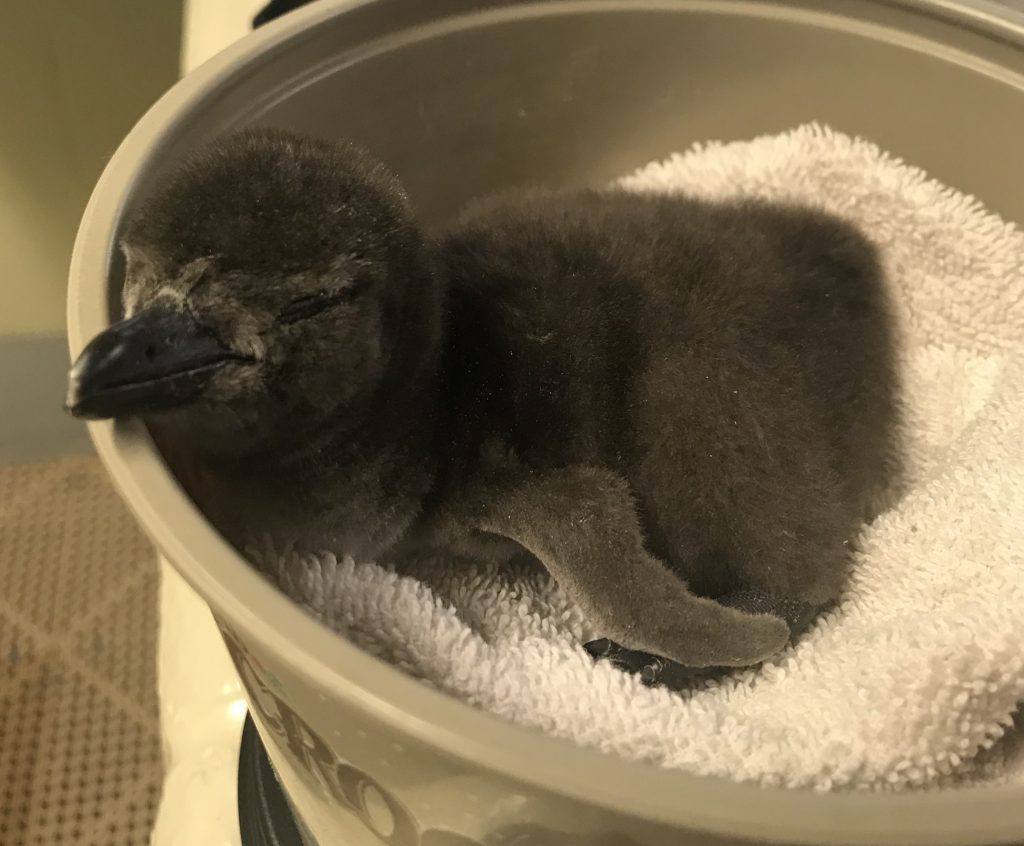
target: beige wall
<point>211,25</point>
<point>74,76</point>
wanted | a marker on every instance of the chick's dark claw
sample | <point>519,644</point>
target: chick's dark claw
<point>647,666</point>
<point>653,670</point>
<point>621,658</point>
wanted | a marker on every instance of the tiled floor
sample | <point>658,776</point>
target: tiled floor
<point>80,758</point>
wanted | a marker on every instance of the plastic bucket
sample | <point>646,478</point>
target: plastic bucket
<point>460,98</point>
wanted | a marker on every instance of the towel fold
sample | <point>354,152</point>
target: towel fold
<point>916,678</point>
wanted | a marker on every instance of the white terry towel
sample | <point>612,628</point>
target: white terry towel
<point>915,679</point>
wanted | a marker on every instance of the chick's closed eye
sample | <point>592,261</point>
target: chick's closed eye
<point>302,308</point>
<point>310,305</point>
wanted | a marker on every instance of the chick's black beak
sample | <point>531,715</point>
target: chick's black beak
<point>157,360</point>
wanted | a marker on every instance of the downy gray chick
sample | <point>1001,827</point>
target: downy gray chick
<point>680,408</point>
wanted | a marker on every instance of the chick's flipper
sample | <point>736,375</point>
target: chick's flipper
<point>581,524</point>
<point>656,671</point>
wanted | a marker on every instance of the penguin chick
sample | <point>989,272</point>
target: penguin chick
<point>669,403</point>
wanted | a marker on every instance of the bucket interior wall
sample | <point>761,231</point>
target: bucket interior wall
<point>567,94</point>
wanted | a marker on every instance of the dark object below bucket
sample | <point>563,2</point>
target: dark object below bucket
<point>274,9</point>
<point>264,816</point>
